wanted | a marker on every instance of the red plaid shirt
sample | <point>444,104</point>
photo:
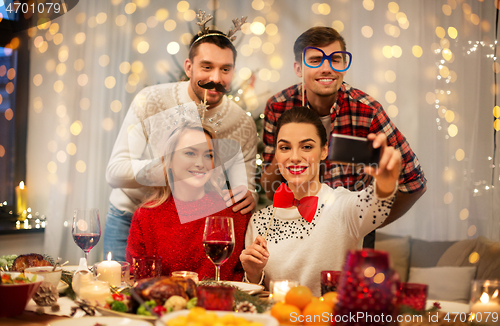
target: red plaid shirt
<point>357,114</point>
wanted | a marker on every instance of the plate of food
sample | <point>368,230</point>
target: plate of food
<point>249,288</point>
<point>182,317</point>
<point>92,321</point>
<point>152,296</point>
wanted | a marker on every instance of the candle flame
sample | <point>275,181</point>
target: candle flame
<point>485,298</point>
<point>495,294</point>
<point>109,256</point>
<point>21,185</point>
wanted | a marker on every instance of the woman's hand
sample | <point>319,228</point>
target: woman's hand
<point>254,259</point>
<point>389,168</point>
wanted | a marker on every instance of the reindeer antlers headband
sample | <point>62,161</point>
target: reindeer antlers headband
<point>205,31</point>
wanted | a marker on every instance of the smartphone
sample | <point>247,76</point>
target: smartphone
<point>345,149</point>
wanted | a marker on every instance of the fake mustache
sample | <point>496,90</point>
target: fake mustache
<point>218,87</point>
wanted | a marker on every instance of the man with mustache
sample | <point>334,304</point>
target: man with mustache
<point>343,110</point>
<point>211,64</point>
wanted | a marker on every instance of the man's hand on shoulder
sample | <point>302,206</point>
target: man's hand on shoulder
<point>241,199</point>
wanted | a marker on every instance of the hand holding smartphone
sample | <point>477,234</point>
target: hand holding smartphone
<point>346,149</point>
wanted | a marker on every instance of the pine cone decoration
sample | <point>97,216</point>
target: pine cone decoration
<point>246,306</point>
<point>46,295</point>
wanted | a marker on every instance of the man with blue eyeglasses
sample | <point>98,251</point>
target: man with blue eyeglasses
<point>321,60</point>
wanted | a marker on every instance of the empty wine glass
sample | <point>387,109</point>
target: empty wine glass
<point>86,229</point>
<point>218,240</point>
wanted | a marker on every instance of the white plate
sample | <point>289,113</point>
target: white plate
<point>109,312</point>
<point>450,306</point>
<point>61,287</point>
<point>91,321</point>
<point>249,288</point>
<point>265,320</point>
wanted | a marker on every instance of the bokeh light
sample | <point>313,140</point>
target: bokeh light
<point>170,25</point>
<point>464,214</point>
<point>452,130</point>
<point>440,32</point>
<point>143,47</point>
<point>268,48</point>
<point>152,22</point>
<point>71,149</point>
<point>76,128</point>
<point>130,8</point>
<point>110,82</point>
<point>81,166</point>
<point>392,111</point>
<point>473,257</point>
<point>338,25</point>
<point>390,76</point>
<point>368,4</point>
<point>257,28</point>
<point>120,20</point>
<point>161,14</point>
<point>448,198</point>
<point>59,86</point>
<point>37,79</point>
<point>459,154</point>
<point>124,67</point>
<point>244,73</point>
<point>367,31</point>
<point>61,111</point>
<point>52,167</point>
<point>116,106</point>
<point>82,79</point>
<point>84,103</point>
<point>173,48</point>
<point>80,38</point>
<point>79,64</point>
<point>108,124</point>
<point>393,7</point>
<point>417,51</point>
<point>9,114</point>
<point>103,60</point>
<point>141,28</point>
<point>390,97</point>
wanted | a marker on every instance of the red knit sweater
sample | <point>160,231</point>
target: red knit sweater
<point>158,231</point>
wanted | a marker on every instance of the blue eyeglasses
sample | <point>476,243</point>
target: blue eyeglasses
<point>339,61</point>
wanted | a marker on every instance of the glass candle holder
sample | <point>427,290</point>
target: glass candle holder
<point>95,292</point>
<point>279,289</point>
<point>367,285</point>
<point>329,281</point>
<point>186,274</point>
<point>485,302</point>
<point>413,295</point>
<point>146,267</point>
<point>215,297</point>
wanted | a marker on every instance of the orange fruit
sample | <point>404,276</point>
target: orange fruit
<point>286,314</point>
<point>299,296</point>
<point>330,298</point>
<point>317,313</point>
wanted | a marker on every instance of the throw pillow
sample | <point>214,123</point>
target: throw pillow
<point>445,283</point>
<point>399,254</point>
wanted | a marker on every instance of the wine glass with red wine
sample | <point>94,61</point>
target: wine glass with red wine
<point>86,229</point>
<point>218,240</point>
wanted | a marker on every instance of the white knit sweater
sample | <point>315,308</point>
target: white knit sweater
<point>299,250</point>
<point>228,119</point>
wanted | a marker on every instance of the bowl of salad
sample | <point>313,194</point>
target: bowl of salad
<point>16,290</point>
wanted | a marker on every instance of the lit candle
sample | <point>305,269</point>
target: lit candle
<point>21,200</point>
<point>486,312</point>
<point>281,288</point>
<point>185,274</point>
<point>110,271</point>
<point>95,292</point>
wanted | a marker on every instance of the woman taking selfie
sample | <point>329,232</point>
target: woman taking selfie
<point>310,226</point>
